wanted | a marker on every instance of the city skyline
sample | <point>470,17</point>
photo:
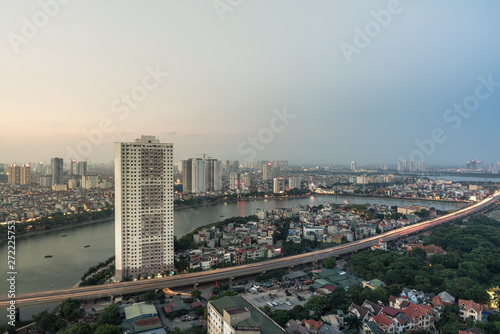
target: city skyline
<point>326,90</point>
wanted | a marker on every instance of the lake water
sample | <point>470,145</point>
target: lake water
<point>70,259</point>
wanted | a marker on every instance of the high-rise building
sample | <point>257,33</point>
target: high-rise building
<point>474,164</point>
<point>421,166</point>
<point>26,174</point>
<point>187,175</point>
<point>90,181</point>
<point>201,175</point>
<point>353,165</point>
<point>494,167</point>
<point>267,172</point>
<point>294,182</point>
<point>144,207</point>
<point>278,185</point>
<point>14,176</point>
<point>246,181</point>
<point>198,176</point>
<point>402,166</point>
<point>46,181</point>
<point>78,167</point>
<point>234,181</point>
<point>57,170</point>
<point>213,175</point>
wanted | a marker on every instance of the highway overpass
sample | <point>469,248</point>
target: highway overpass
<point>100,291</point>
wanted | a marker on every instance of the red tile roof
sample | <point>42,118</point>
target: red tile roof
<point>470,304</point>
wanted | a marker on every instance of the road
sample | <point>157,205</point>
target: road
<point>100,291</point>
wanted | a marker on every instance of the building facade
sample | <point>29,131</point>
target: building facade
<point>144,209</point>
<point>57,170</point>
<point>267,172</point>
<point>78,167</point>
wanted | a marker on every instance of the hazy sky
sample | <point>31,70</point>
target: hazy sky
<point>359,80</point>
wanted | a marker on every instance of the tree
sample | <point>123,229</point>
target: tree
<point>329,263</point>
<point>80,328</point>
<point>46,321</point>
<point>110,315</point>
<point>149,297</point>
<point>299,312</point>
<point>353,322</point>
<point>493,317</point>
<point>316,304</point>
<point>281,317</point>
<point>9,329</point>
<point>196,294</point>
<point>230,293</point>
<point>70,308</point>
<point>176,330</point>
<point>108,329</point>
<point>478,294</point>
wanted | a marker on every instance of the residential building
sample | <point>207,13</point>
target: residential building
<point>236,315</point>
<point>57,170</point>
<point>14,174</point>
<point>278,185</point>
<point>353,165</point>
<point>144,209</point>
<point>78,168</point>
<point>234,181</point>
<point>470,309</point>
<point>267,172</point>
<point>294,182</point>
<point>213,174</point>
<point>187,175</point>
<point>90,181</point>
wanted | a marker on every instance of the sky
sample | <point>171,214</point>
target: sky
<point>307,81</point>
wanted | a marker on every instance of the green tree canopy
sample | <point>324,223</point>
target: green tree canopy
<point>70,308</point>
<point>108,329</point>
<point>110,315</point>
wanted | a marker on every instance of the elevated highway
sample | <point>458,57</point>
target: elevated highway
<point>192,279</point>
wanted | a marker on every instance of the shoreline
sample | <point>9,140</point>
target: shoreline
<point>458,203</point>
<point>60,227</point>
<point>63,227</point>
<point>243,199</point>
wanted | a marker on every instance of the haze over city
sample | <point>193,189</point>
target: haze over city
<point>365,96</point>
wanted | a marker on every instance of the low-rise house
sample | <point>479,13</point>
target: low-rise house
<point>359,312</point>
<point>470,309</point>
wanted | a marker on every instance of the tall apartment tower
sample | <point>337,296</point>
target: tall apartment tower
<point>353,165</point>
<point>14,176</point>
<point>26,174</point>
<point>267,172</point>
<point>57,170</point>
<point>144,207</point>
<point>198,176</point>
<point>278,185</point>
<point>187,175</point>
<point>213,175</point>
<point>78,167</point>
<point>234,181</point>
